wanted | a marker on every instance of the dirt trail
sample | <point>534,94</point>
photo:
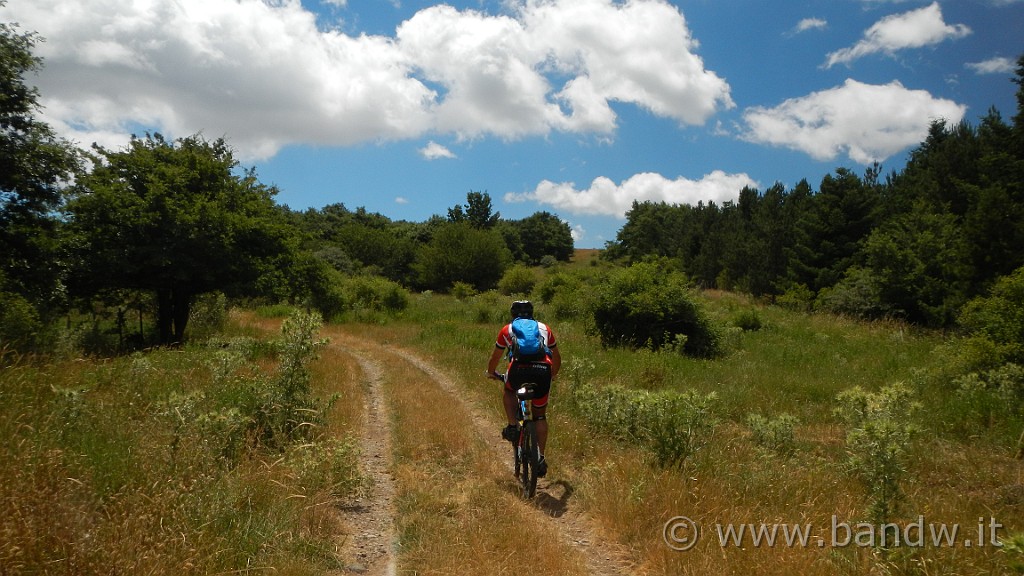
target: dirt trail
<point>373,542</point>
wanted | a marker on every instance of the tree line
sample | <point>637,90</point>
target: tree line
<point>158,223</point>
<point>917,244</point>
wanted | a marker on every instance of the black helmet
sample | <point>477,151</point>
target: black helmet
<point>522,309</point>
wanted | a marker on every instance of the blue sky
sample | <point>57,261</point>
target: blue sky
<point>576,107</point>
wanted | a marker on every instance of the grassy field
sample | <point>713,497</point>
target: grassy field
<point>139,465</point>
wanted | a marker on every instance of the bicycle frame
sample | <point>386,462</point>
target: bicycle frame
<point>525,451</point>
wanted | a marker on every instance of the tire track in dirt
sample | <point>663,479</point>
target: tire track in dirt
<point>372,543</point>
<point>603,558</point>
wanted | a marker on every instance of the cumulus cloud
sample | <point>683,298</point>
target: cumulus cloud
<point>913,29</point>
<point>866,122</point>
<point>433,151</point>
<point>605,197</point>
<point>1000,65</point>
<point>265,75</point>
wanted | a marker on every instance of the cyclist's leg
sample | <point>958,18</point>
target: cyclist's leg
<point>509,401</point>
<point>542,425</point>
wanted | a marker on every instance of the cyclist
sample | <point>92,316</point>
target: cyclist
<point>540,371</point>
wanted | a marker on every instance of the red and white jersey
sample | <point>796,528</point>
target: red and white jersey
<point>505,336</point>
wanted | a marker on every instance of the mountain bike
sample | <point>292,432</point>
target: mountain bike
<point>525,451</point>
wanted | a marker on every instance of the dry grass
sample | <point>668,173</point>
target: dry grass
<point>97,476</point>
<point>796,365</point>
<point>107,469</point>
<point>458,510</point>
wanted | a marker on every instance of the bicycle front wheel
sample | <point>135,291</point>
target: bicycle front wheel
<point>530,458</point>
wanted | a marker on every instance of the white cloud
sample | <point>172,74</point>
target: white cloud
<point>810,24</point>
<point>433,151</point>
<point>265,76</point>
<point>401,200</point>
<point>913,29</point>
<point>1000,65</point>
<point>604,197</point>
<point>867,122</point>
<point>577,232</point>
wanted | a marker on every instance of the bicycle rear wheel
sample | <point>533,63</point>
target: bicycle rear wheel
<point>530,458</point>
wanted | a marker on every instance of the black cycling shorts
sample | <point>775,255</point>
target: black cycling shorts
<point>539,373</point>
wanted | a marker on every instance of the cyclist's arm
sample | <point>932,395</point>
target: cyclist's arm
<point>556,361</point>
<point>492,363</point>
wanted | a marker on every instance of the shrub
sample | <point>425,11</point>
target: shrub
<point>880,427</point>
<point>987,397</point>
<point>797,297</point>
<point>19,322</point>
<point>999,317</point>
<point>490,308</point>
<point>375,293</point>
<point>748,321</point>
<point>775,434</point>
<point>858,295</point>
<point>672,425</point>
<point>462,290</point>
<point>645,306</point>
<point>517,280</point>
<point>457,252</point>
<point>208,315</point>
<point>554,284</point>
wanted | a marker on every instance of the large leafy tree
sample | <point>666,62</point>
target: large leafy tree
<point>544,234</point>
<point>34,165</point>
<point>177,219</point>
<point>459,252</point>
<point>477,211</point>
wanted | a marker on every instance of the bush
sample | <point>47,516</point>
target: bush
<point>645,306</point>
<point>858,295</point>
<point>19,323</point>
<point>490,308</point>
<point>673,426</point>
<point>554,284</point>
<point>999,317</point>
<point>462,290</point>
<point>375,293</point>
<point>208,315</point>
<point>517,280</point>
<point>775,434</point>
<point>880,427</point>
<point>748,321</point>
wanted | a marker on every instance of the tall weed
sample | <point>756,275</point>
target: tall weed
<point>880,427</point>
<point>673,426</point>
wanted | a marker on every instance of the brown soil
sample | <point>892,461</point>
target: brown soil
<point>372,540</point>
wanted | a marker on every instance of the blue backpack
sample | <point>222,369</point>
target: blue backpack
<point>527,343</point>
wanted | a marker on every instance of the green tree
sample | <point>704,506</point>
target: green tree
<point>34,164</point>
<point>832,228</point>
<point>176,219</point>
<point>459,252</point>
<point>544,234</point>
<point>477,211</point>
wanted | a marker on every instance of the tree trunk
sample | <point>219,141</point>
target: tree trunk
<point>182,307</point>
<point>174,305</point>
<point>164,316</point>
